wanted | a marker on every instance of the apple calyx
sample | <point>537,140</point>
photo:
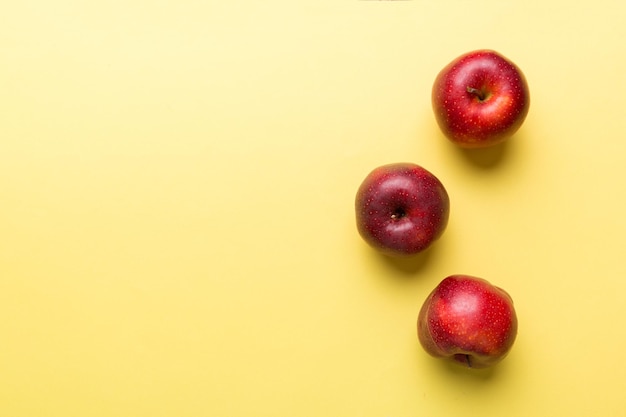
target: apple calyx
<point>480,94</point>
<point>464,358</point>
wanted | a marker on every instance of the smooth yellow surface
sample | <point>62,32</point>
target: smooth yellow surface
<point>177,232</point>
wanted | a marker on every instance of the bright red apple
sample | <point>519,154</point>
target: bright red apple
<point>480,99</point>
<point>468,320</point>
<point>401,209</point>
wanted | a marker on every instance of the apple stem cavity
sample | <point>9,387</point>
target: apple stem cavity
<point>398,214</point>
<point>469,362</point>
<point>478,93</point>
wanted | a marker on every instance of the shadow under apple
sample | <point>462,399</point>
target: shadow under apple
<point>410,265</point>
<point>487,158</point>
<point>462,371</point>
<point>457,373</point>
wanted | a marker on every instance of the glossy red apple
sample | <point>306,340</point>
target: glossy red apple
<point>480,99</point>
<point>468,320</point>
<point>401,209</point>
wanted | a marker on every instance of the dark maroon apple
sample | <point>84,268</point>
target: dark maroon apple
<point>401,209</point>
<point>480,99</point>
<point>468,320</point>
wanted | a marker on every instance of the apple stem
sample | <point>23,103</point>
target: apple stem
<point>478,93</point>
<point>467,359</point>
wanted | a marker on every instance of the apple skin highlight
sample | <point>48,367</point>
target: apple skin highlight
<point>480,99</point>
<point>468,320</point>
<point>401,209</point>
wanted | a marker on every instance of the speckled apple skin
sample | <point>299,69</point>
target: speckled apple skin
<point>401,209</point>
<point>469,121</point>
<point>468,320</point>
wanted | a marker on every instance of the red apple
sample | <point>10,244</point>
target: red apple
<point>467,320</point>
<point>480,99</point>
<point>401,209</point>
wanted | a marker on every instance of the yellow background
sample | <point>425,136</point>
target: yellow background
<point>177,232</point>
